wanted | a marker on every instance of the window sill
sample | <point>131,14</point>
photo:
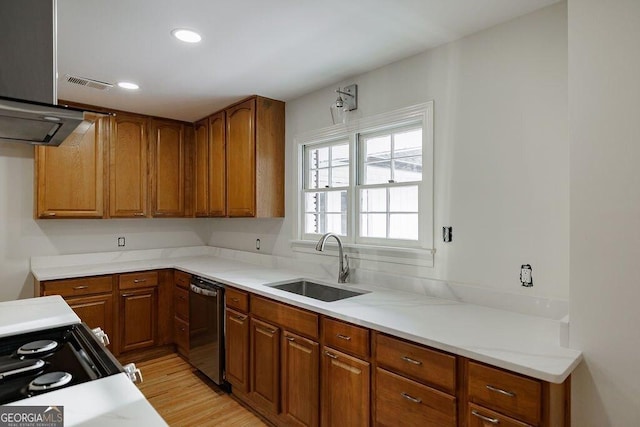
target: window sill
<point>394,255</point>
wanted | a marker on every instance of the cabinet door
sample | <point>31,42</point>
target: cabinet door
<point>96,311</point>
<point>70,178</point>
<point>201,182</point>
<point>300,380</point>
<point>345,390</point>
<point>265,364</point>
<point>128,148</point>
<point>241,172</point>
<point>217,165</point>
<point>138,317</point>
<point>167,169</point>
<point>237,349</point>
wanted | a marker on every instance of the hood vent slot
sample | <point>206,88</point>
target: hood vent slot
<point>83,81</point>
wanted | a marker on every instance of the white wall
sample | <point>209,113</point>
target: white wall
<point>22,237</point>
<point>501,150</point>
<point>604,129</point>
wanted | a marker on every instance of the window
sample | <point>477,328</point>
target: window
<point>370,181</point>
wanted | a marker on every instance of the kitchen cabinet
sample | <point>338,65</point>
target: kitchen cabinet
<point>128,147</point>
<point>91,298</point>
<point>346,385</point>
<point>210,166</point>
<point>70,179</point>
<point>138,308</point>
<point>167,168</point>
<point>300,380</point>
<point>181,312</point>
<point>255,158</point>
<point>264,371</point>
<point>237,350</point>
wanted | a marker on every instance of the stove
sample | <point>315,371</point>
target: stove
<point>39,362</point>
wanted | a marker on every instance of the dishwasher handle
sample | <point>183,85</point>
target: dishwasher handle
<point>202,291</point>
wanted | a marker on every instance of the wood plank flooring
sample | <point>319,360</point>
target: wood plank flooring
<point>185,397</point>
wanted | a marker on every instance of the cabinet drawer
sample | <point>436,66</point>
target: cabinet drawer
<point>80,286</point>
<point>431,367</point>
<point>138,280</point>
<point>181,335</point>
<point>346,337</point>
<point>181,303</point>
<point>182,279</point>
<point>237,299</point>
<point>511,394</point>
<point>294,319</point>
<point>483,417</point>
<point>398,398</point>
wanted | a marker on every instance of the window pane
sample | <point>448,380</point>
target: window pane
<point>407,169</point>
<point>378,148</point>
<point>403,226</point>
<point>340,176</point>
<point>318,178</point>
<point>340,155</point>
<point>407,143</point>
<point>318,158</point>
<point>337,201</point>
<point>373,200</point>
<point>403,199</point>
<point>377,173</point>
<point>312,223</point>
<point>311,202</point>
<point>336,223</point>
<point>373,225</point>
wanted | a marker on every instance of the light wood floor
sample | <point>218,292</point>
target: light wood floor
<point>184,397</point>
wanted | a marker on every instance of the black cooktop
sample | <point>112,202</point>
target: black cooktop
<point>48,360</point>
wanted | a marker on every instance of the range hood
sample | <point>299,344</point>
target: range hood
<point>28,92</point>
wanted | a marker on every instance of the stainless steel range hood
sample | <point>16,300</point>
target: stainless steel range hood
<point>28,92</point>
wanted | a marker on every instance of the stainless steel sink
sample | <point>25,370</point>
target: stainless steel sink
<point>317,290</point>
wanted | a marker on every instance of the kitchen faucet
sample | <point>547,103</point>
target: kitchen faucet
<point>343,274</point>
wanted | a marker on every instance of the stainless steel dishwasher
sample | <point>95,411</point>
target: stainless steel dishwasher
<point>206,328</point>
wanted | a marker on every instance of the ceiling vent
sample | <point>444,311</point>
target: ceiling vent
<point>83,81</point>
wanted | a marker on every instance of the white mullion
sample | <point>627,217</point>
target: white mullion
<point>353,194</point>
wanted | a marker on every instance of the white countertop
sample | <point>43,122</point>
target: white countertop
<point>521,343</point>
<point>109,401</point>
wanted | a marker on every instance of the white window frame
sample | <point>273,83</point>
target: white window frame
<point>410,252</point>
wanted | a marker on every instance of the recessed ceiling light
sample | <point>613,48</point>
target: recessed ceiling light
<point>128,85</point>
<point>186,36</point>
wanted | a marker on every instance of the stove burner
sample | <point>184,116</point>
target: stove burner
<point>50,381</point>
<point>37,347</point>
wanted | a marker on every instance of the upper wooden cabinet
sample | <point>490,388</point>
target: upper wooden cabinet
<point>128,148</point>
<point>167,168</point>
<point>209,183</point>
<point>70,178</point>
<point>255,158</point>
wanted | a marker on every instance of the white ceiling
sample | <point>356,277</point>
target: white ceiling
<point>276,48</point>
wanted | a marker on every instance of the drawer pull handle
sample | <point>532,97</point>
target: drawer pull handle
<point>501,391</point>
<point>269,331</point>
<point>484,418</point>
<point>138,214</point>
<point>235,299</point>
<point>344,337</point>
<point>127,295</point>
<point>410,398</point>
<point>331,355</point>
<point>410,360</point>
<point>243,318</point>
<point>50,213</point>
<point>139,280</point>
<point>292,339</point>
<point>77,288</point>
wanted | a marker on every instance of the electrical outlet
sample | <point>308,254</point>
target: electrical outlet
<point>526,276</point>
<point>257,244</point>
<point>121,242</point>
<point>447,234</point>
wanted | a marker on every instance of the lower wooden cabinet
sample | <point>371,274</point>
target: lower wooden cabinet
<point>483,417</point>
<point>237,350</point>
<point>300,380</point>
<point>96,311</point>
<point>138,318</point>
<point>346,386</point>
<point>265,364</point>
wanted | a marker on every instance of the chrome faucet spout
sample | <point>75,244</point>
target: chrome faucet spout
<point>343,273</point>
